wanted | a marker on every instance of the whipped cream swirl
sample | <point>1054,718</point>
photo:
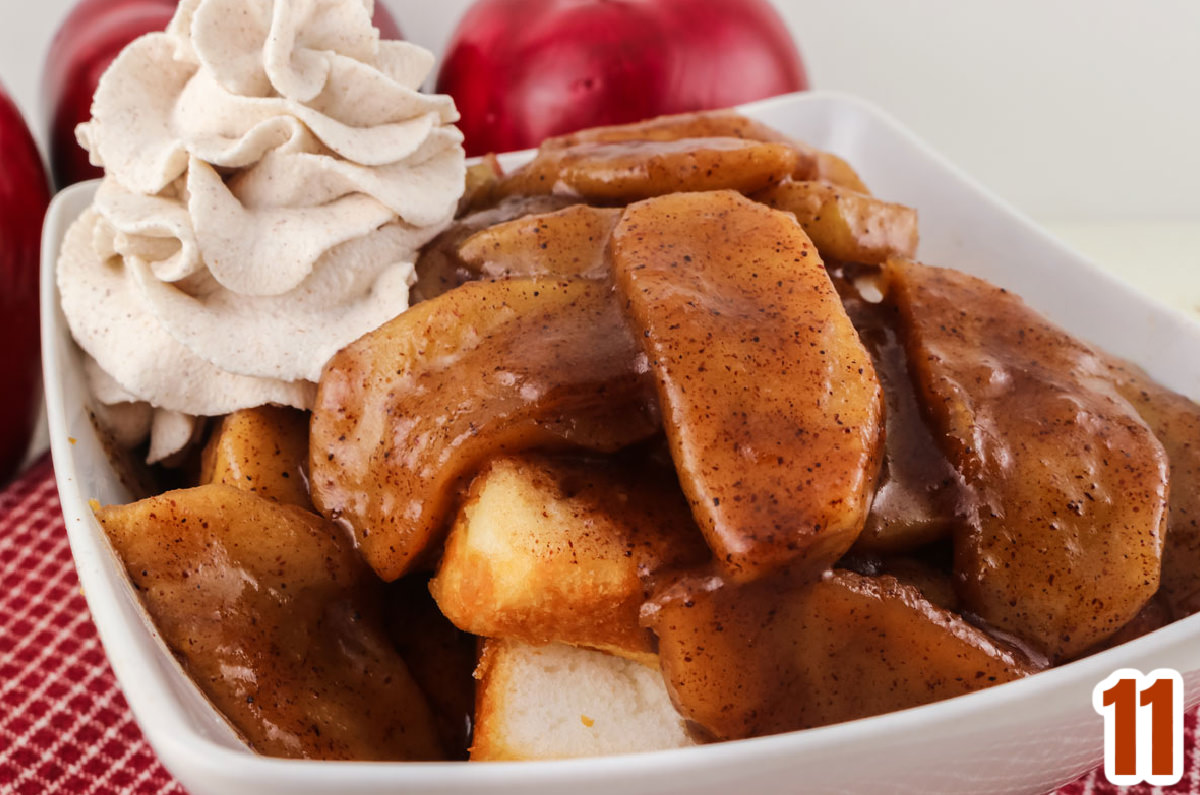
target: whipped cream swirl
<point>271,172</point>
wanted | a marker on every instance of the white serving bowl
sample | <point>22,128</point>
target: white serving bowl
<point>1023,737</point>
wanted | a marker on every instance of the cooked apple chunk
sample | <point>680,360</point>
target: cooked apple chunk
<point>562,702</point>
<point>771,404</point>
<point>406,415</point>
<point>845,225</point>
<point>272,613</point>
<point>1063,538</point>
<point>263,450</point>
<point>1175,421</point>
<point>556,550</point>
<point>570,242</point>
<point>771,657</point>
<point>617,173</point>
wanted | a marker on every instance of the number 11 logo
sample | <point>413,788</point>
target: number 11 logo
<point>1143,726</point>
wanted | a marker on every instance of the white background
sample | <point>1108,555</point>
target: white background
<point>1074,110</point>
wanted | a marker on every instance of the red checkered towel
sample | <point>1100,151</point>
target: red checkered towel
<point>64,725</point>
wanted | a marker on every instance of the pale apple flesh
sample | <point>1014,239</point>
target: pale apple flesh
<point>562,549</point>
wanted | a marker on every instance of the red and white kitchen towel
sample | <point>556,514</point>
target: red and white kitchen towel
<point>64,725</point>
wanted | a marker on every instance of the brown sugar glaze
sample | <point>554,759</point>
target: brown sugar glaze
<point>406,415</point>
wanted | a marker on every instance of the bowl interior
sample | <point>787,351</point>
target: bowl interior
<point>1046,720</point>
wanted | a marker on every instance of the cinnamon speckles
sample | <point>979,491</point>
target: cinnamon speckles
<point>748,373</point>
<point>1064,475</point>
<point>489,368</point>
<point>618,172</point>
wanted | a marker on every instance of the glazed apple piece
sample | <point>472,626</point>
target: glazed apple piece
<point>558,550</point>
<point>1062,540</point>
<point>846,225</point>
<point>919,490</point>
<point>406,415</point>
<point>263,450</point>
<point>570,242</point>
<point>273,615</point>
<point>675,127</point>
<point>439,267</point>
<point>481,179</point>
<point>771,404</point>
<point>1175,420</point>
<point>813,164</point>
<point>771,657</point>
<point>618,173</point>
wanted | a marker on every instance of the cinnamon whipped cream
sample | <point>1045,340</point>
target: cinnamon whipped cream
<point>271,172</point>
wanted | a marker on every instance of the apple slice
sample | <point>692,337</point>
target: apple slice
<point>570,242</point>
<point>1063,535</point>
<point>812,164</point>
<point>274,616</point>
<point>770,402</point>
<point>439,266</point>
<point>1175,421</point>
<point>846,225</point>
<point>773,657</point>
<point>406,415</point>
<point>618,173</point>
<point>263,450</point>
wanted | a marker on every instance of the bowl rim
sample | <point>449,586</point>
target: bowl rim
<point>162,716</point>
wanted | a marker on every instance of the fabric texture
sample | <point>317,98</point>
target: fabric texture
<point>64,724</point>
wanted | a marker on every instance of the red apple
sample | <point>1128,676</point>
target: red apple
<point>24,194</point>
<point>523,70</point>
<point>88,41</point>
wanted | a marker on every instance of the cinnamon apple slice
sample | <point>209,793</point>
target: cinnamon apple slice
<point>846,225</point>
<point>275,617</point>
<point>570,242</point>
<point>771,404</point>
<point>1063,534</point>
<point>1175,421</point>
<point>618,173</point>
<point>812,164</point>
<point>406,415</point>
<point>775,656</point>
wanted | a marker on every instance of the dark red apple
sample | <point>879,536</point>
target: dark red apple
<point>91,37</point>
<point>523,70</point>
<point>24,194</point>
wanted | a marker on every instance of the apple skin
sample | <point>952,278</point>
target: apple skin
<point>24,195</point>
<point>90,38</point>
<point>524,70</point>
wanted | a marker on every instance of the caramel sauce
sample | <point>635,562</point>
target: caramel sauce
<point>919,490</point>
